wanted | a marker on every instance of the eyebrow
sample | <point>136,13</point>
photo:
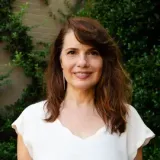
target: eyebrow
<point>92,48</point>
<point>71,49</point>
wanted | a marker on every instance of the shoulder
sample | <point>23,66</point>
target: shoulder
<point>30,116</point>
<point>133,117</point>
<point>131,111</point>
<point>37,109</point>
<point>138,133</point>
<point>134,120</point>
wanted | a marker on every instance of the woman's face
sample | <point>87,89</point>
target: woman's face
<point>81,64</point>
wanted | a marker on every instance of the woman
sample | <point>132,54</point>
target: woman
<point>87,115</point>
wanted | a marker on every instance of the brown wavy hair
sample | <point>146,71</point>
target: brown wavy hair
<point>112,92</point>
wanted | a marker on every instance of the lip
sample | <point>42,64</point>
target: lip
<point>82,75</point>
<point>82,72</point>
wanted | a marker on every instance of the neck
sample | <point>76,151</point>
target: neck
<point>79,98</point>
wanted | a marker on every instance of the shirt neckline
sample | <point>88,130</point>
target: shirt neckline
<point>96,134</point>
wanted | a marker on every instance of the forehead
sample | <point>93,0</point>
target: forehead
<point>70,41</point>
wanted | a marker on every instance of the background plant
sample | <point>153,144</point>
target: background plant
<point>32,60</point>
<point>4,79</point>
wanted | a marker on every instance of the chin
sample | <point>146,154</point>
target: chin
<point>84,86</point>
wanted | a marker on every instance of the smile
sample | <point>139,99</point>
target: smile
<point>82,75</point>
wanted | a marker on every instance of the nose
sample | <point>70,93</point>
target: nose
<point>82,61</point>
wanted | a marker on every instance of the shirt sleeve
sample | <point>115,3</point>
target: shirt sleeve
<point>138,134</point>
<point>19,123</point>
<point>22,127</point>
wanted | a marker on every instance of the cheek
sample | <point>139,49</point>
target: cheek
<point>99,69</point>
<point>98,65</point>
<point>67,67</point>
<point>64,62</point>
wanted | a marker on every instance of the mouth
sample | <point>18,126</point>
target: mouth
<point>82,75</point>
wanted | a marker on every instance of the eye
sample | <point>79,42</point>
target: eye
<point>94,52</point>
<point>71,52</point>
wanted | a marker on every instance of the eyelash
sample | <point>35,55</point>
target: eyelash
<point>71,52</point>
<point>94,52</point>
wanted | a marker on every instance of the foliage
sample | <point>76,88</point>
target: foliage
<point>8,150</point>
<point>24,54</point>
<point>135,27</point>
<point>33,61</point>
<point>4,79</point>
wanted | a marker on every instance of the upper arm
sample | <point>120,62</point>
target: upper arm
<point>22,152</point>
<point>139,155</point>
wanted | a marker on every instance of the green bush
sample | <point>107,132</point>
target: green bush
<point>8,150</point>
<point>33,62</point>
<point>4,79</point>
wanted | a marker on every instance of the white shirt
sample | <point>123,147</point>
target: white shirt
<point>53,141</point>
